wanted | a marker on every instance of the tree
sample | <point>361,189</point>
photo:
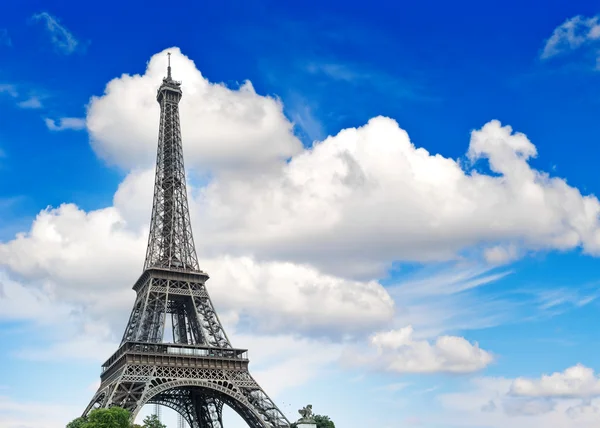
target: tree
<point>115,417</point>
<point>152,421</point>
<point>77,423</point>
<point>321,421</point>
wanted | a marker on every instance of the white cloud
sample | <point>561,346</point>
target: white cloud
<point>367,197</point>
<point>29,303</point>
<point>281,296</point>
<point>558,299</point>
<point>326,223</point>
<point>352,204</point>
<point>489,402</point>
<point>63,40</point>
<point>398,351</point>
<point>295,246</point>
<point>501,254</point>
<point>92,259</point>
<point>71,247</point>
<point>30,103</point>
<point>9,89</point>
<point>575,382</point>
<point>221,127</point>
<point>570,35</point>
<point>65,123</point>
<point>33,102</point>
<point>15,414</point>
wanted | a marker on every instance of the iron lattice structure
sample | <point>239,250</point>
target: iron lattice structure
<point>199,371</point>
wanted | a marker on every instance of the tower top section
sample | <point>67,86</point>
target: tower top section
<point>170,90</point>
<point>170,244</point>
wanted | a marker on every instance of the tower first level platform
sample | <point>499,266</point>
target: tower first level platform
<point>196,381</point>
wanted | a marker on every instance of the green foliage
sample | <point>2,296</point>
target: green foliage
<point>77,423</point>
<point>115,417</point>
<point>321,421</point>
<point>152,421</point>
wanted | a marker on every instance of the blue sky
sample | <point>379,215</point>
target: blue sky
<point>441,277</point>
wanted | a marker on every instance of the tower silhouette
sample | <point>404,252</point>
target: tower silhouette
<point>200,371</point>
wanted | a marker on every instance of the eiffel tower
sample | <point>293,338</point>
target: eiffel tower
<point>199,372</point>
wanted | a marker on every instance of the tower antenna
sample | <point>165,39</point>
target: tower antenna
<point>169,66</point>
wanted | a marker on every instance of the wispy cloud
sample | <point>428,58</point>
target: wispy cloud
<point>11,90</point>
<point>64,123</point>
<point>570,35</point>
<point>5,39</point>
<point>551,302</point>
<point>393,387</point>
<point>460,298</point>
<point>63,40</point>
<point>358,75</point>
<point>439,301</point>
<point>303,116</point>
<point>30,103</point>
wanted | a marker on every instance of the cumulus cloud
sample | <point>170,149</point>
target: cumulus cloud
<point>350,205</point>
<point>221,127</point>
<point>293,238</point>
<point>286,296</point>
<point>570,35</point>
<point>491,402</point>
<point>72,247</point>
<point>575,382</point>
<point>356,202</point>
<point>92,258</point>
<point>399,352</point>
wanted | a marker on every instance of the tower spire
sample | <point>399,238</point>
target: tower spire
<point>170,244</point>
<point>169,66</point>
